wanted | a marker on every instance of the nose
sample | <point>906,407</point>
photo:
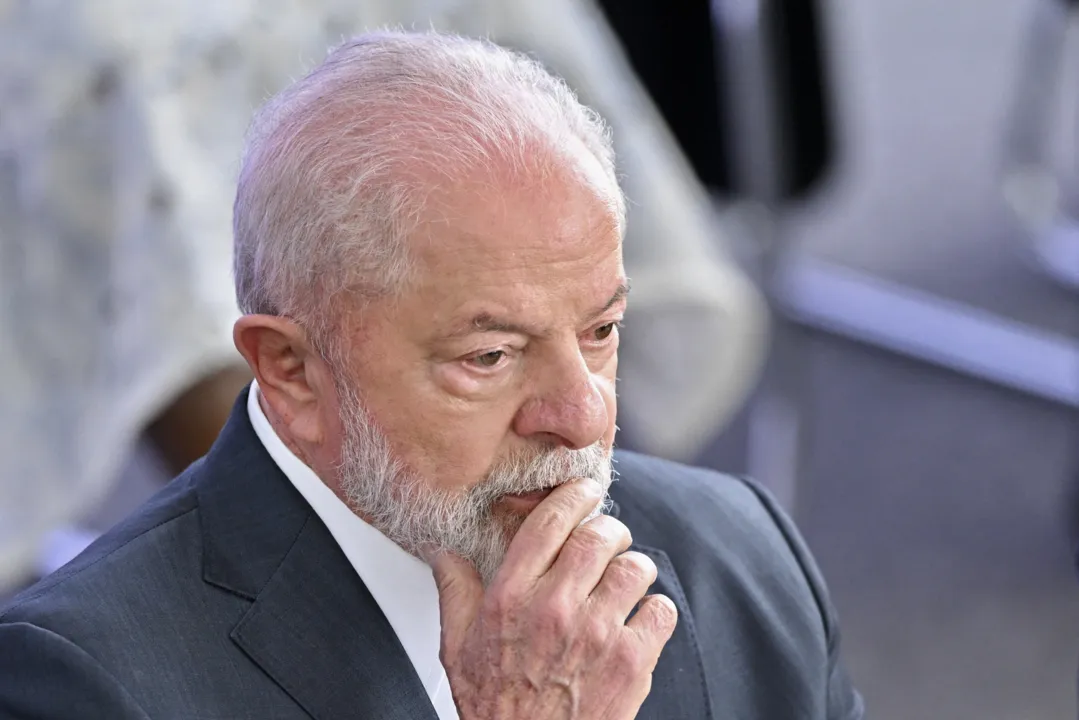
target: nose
<point>567,408</point>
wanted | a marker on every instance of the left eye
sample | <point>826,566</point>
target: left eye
<point>604,331</point>
<point>489,359</point>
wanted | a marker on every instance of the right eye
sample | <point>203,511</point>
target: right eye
<point>489,359</point>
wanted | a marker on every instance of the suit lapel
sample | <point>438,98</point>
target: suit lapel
<point>678,685</point>
<point>312,627</point>
<point>679,689</point>
<point>316,630</point>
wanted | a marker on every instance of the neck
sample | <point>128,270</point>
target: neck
<point>281,430</point>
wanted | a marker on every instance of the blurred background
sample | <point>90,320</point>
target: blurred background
<point>853,223</point>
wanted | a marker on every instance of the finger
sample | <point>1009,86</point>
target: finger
<point>625,581</point>
<point>541,536</point>
<point>653,626</point>
<point>629,700</point>
<point>586,554</point>
<point>460,594</point>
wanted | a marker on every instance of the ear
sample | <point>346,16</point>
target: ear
<point>292,378</point>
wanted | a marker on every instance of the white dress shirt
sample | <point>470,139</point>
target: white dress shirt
<point>401,584</point>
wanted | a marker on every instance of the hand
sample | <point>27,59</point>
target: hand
<point>549,637</point>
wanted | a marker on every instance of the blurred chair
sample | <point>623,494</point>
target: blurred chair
<point>1043,203</point>
<point>1043,197</point>
<point>743,86</point>
<point>774,89</point>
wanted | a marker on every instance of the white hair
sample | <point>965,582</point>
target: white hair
<point>337,167</point>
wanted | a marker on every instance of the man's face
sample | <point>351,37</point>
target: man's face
<point>493,375</point>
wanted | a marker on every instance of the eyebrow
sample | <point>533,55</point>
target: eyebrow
<point>620,294</point>
<point>488,323</point>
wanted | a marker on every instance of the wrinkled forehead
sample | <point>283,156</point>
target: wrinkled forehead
<point>542,245</point>
<point>513,220</point>
<point>557,203</point>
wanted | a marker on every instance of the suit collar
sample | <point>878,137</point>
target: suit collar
<point>251,515</point>
<point>400,583</point>
<point>313,626</point>
<point>316,630</point>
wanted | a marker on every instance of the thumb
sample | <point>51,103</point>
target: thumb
<point>460,594</point>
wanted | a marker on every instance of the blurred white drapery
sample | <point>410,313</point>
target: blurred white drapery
<point>120,133</point>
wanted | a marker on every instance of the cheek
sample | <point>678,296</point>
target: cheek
<point>450,443</point>
<point>607,388</point>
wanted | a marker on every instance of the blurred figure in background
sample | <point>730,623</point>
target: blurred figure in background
<point>119,139</point>
<point>115,310</point>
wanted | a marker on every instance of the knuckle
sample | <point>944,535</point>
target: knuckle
<point>622,576</point>
<point>501,599</point>
<point>598,632</point>
<point>602,531</point>
<point>628,658</point>
<point>557,617</point>
<point>645,565</point>
<point>589,539</point>
<point>633,569</point>
<point>586,491</point>
<point>614,530</point>
<point>553,519</point>
<point>586,543</point>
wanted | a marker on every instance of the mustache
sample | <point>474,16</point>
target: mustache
<point>526,471</point>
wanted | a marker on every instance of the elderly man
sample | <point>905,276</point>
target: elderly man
<point>410,513</point>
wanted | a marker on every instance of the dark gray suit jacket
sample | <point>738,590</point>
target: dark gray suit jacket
<point>225,597</point>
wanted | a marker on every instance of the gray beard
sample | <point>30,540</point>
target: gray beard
<point>416,514</point>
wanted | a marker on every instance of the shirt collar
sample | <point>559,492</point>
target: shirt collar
<point>400,583</point>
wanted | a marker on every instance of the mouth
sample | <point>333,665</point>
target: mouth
<point>524,503</point>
